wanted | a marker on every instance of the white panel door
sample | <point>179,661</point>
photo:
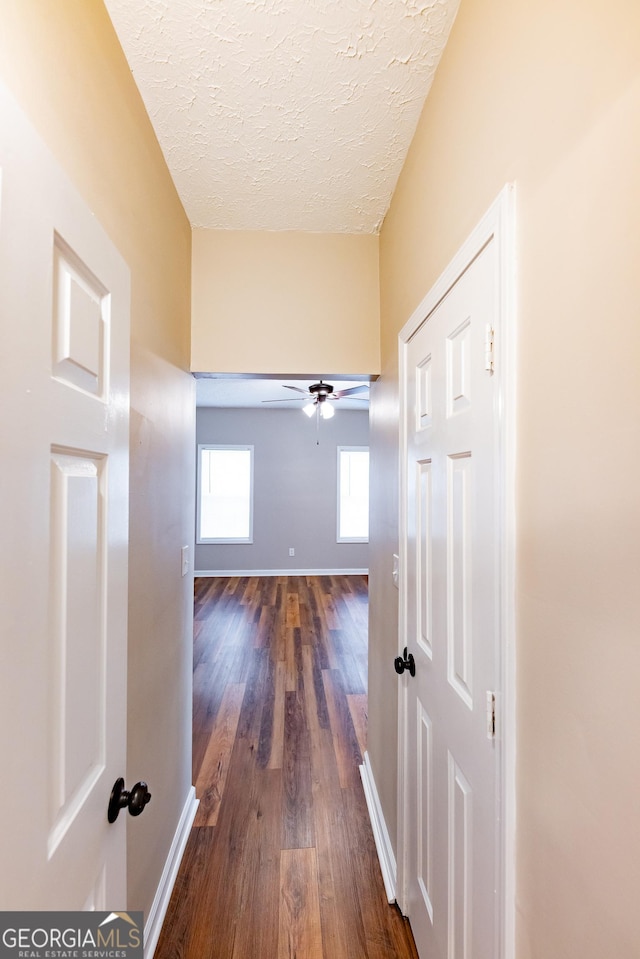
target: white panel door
<point>451,622</point>
<point>64,395</point>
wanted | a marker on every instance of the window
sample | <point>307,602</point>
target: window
<point>225,494</point>
<point>353,494</point>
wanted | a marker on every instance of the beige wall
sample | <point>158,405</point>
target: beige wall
<point>546,95</point>
<point>285,303</point>
<point>65,66</point>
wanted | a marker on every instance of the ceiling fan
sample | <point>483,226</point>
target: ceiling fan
<point>316,397</point>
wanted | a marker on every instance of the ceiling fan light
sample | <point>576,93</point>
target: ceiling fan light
<point>327,411</point>
<point>309,408</point>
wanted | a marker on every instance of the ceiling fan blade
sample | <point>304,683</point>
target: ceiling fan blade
<point>287,399</point>
<point>354,389</point>
<point>296,388</point>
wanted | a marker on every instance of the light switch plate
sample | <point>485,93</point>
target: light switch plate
<point>184,559</point>
<point>396,570</point>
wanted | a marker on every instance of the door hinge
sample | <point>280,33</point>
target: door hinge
<point>488,349</point>
<point>491,715</point>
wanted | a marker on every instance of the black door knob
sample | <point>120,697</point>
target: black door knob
<point>135,799</point>
<point>408,662</point>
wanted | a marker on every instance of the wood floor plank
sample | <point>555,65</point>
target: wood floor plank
<point>207,642</point>
<point>206,703</point>
<point>260,868</point>
<point>265,740</point>
<point>268,589</point>
<point>249,592</point>
<point>315,699</point>
<point>215,765</point>
<point>321,625</point>
<point>343,644</point>
<point>290,660</point>
<point>231,585</point>
<point>258,673</point>
<point>293,610</point>
<point>300,935</point>
<point>330,612</point>
<point>278,647</point>
<point>267,624</point>
<point>297,813</point>
<point>209,687</point>
<point>357,703</point>
<point>344,738</point>
<point>276,756</point>
<point>319,644</point>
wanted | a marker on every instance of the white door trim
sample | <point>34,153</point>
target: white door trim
<point>497,225</point>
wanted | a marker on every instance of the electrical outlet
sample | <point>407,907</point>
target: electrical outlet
<point>292,551</point>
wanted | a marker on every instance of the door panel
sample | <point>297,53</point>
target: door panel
<point>77,754</point>
<point>424,554</point>
<point>459,534</point>
<point>80,320</point>
<point>460,845</point>
<point>424,788</point>
<point>64,390</point>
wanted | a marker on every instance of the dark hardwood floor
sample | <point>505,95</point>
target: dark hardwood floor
<point>281,862</point>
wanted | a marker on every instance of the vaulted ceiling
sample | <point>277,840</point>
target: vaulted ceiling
<point>284,114</point>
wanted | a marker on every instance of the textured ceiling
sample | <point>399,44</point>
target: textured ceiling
<point>284,114</point>
<point>236,393</point>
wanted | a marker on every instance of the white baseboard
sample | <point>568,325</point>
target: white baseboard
<point>160,905</point>
<point>281,572</point>
<point>380,832</point>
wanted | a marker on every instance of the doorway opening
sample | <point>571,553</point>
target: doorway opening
<point>282,860</point>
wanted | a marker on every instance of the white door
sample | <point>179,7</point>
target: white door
<point>451,622</point>
<point>64,396</point>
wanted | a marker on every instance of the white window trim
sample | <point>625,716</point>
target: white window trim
<point>346,539</point>
<point>221,540</point>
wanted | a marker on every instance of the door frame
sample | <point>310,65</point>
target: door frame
<point>498,226</point>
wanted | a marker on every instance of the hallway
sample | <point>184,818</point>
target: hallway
<point>281,862</point>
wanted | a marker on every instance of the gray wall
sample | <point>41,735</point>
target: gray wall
<point>295,483</point>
